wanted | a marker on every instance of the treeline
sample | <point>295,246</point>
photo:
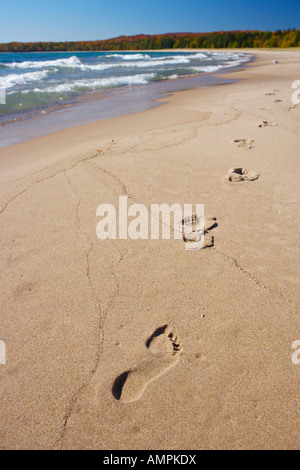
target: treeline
<point>218,40</point>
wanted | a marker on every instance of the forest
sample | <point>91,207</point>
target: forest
<point>216,40</point>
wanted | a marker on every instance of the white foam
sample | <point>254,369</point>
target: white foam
<point>111,82</point>
<point>98,67</point>
<point>230,56</point>
<point>159,62</point>
<point>129,60</point>
<point>13,79</point>
<point>128,56</point>
<point>199,55</point>
<point>135,64</point>
<point>207,68</point>
<point>73,62</point>
<point>232,63</point>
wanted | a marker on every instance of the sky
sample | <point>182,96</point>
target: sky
<point>67,20</point>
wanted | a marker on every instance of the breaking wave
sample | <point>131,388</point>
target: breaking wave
<point>12,80</point>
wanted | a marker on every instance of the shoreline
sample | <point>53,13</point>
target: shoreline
<point>119,101</point>
<point>260,49</point>
<point>78,312</point>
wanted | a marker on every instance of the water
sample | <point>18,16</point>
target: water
<point>38,84</point>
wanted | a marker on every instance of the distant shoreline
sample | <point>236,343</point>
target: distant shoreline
<point>244,50</point>
<point>175,41</point>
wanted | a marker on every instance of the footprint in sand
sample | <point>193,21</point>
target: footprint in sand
<point>244,143</point>
<point>272,93</point>
<point>192,231</point>
<point>267,124</point>
<point>164,353</point>
<point>277,100</point>
<point>235,175</point>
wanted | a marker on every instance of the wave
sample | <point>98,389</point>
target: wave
<point>70,62</point>
<point>158,62</point>
<point>233,63</point>
<point>128,61</point>
<point>131,64</point>
<point>230,55</point>
<point>13,79</point>
<point>137,64</point>
<point>226,64</point>
<point>200,55</point>
<point>207,68</point>
<point>112,82</point>
<point>131,60</point>
<point>127,56</point>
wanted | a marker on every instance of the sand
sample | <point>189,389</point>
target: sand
<point>142,344</point>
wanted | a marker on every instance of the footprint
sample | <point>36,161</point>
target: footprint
<point>164,353</point>
<point>191,222</point>
<point>267,124</point>
<point>193,240</point>
<point>270,94</point>
<point>277,100</point>
<point>235,175</point>
<point>192,232</point>
<point>244,143</point>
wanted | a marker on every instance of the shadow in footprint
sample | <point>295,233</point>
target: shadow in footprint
<point>267,124</point>
<point>163,352</point>
<point>235,175</point>
<point>119,384</point>
<point>193,235</point>
<point>244,143</point>
<point>158,332</point>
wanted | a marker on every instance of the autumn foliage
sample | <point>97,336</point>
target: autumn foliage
<point>218,40</point>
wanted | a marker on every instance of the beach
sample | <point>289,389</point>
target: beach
<point>142,344</point>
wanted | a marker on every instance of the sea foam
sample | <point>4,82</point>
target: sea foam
<point>70,62</point>
<point>21,79</point>
<point>111,82</point>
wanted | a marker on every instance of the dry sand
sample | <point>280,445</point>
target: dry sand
<point>141,344</point>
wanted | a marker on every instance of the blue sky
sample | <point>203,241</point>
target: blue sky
<point>64,20</point>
